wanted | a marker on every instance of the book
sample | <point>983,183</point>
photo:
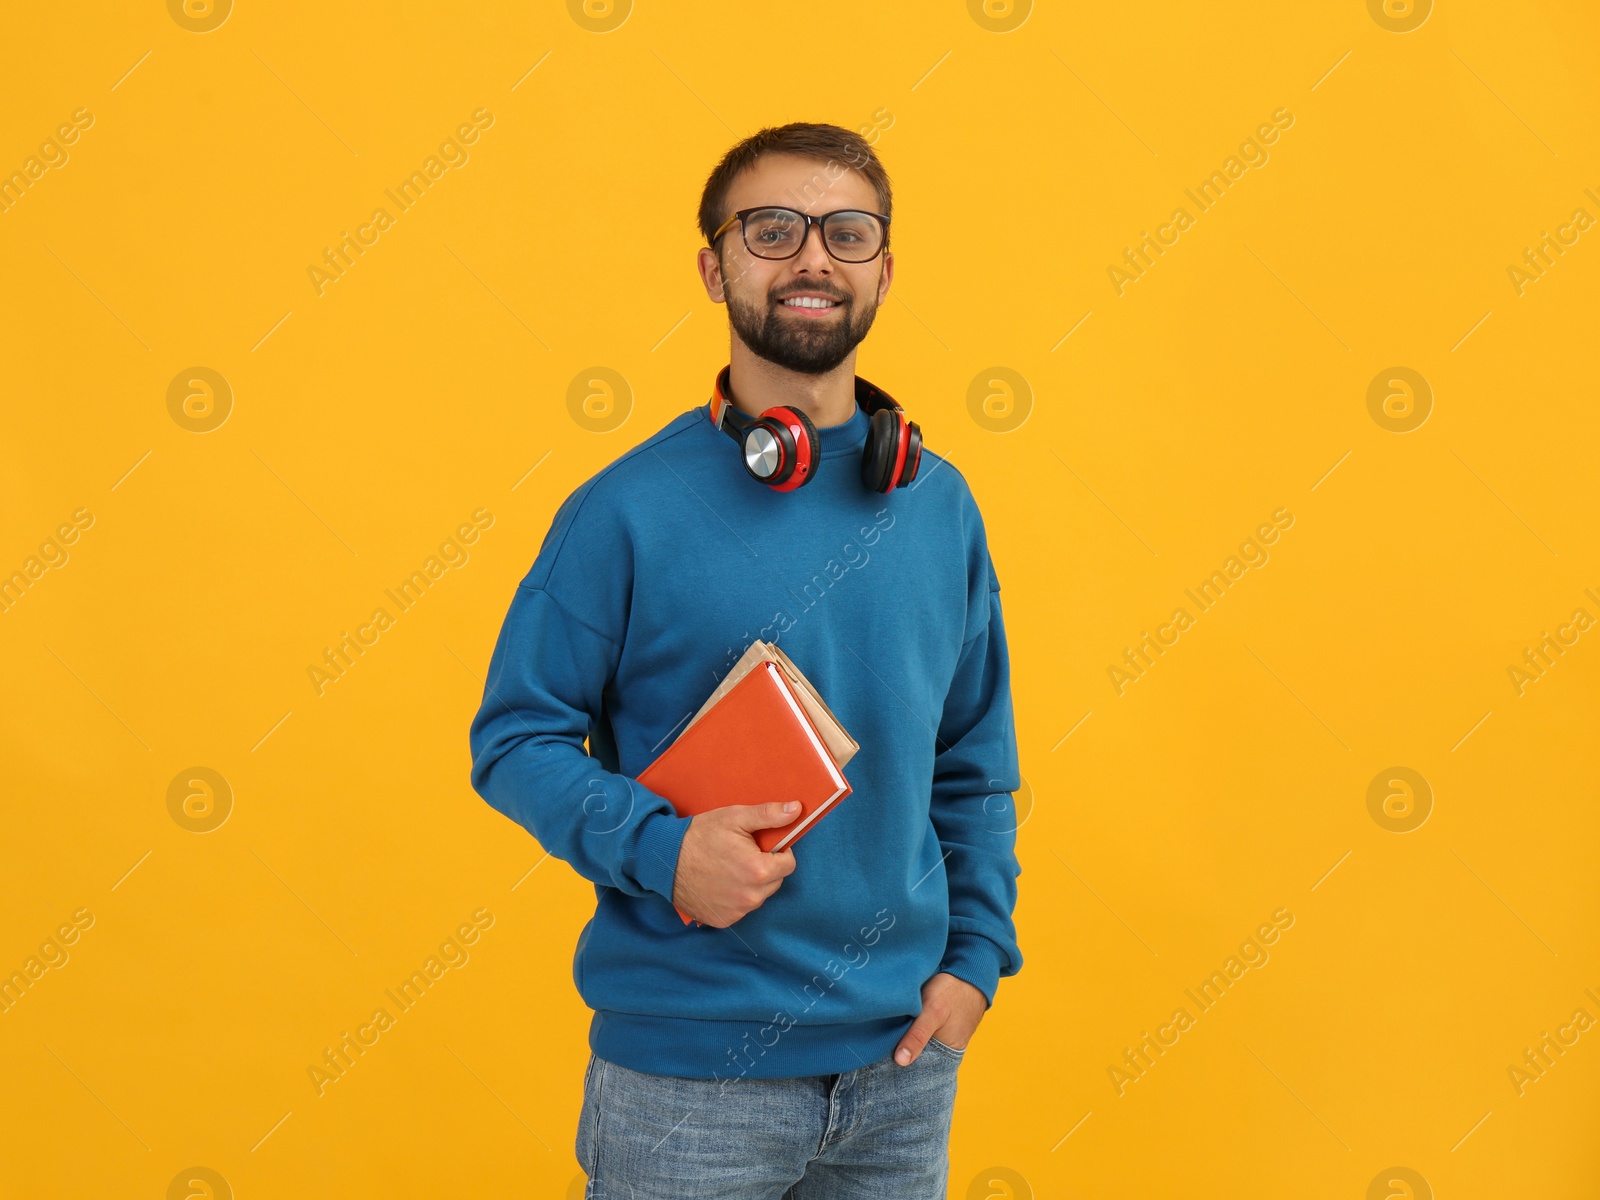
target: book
<point>754,741</point>
<point>840,744</point>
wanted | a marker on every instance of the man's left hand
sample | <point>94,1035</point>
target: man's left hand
<point>951,1010</point>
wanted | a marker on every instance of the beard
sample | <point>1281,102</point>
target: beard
<point>808,345</point>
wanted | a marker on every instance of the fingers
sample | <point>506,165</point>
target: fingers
<point>744,875</point>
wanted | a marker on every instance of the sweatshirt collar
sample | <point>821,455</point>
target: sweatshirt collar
<point>845,437</point>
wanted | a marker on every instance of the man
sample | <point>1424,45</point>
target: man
<point>803,1040</point>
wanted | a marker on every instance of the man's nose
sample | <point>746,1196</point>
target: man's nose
<point>814,256</point>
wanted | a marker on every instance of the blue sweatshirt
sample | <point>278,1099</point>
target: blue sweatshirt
<point>656,574</point>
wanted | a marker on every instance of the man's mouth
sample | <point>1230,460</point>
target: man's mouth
<point>811,306</point>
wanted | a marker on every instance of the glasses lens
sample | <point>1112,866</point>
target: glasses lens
<point>774,232</point>
<point>853,236</point>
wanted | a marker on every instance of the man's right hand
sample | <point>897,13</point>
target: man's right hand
<point>722,873</point>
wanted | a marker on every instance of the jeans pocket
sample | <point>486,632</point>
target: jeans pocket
<point>951,1051</point>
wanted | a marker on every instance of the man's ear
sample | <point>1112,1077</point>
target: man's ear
<point>711,274</point>
<point>884,276</point>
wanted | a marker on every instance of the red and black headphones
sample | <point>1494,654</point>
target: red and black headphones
<point>781,448</point>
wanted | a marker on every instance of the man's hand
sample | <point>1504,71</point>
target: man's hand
<point>722,873</point>
<point>951,1010</point>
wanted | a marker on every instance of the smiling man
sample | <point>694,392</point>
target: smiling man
<point>802,1042</point>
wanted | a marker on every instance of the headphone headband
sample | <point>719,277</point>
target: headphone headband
<point>869,397</point>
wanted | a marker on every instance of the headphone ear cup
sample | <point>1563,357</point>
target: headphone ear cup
<point>913,453</point>
<point>803,453</point>
<point>812,440</point>
<point>877,456</point>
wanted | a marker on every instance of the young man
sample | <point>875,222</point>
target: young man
<point>803,1040</point>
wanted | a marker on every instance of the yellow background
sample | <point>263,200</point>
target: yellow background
<point>368,422</point>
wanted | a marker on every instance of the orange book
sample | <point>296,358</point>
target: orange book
<point>755,744</point>
<point>834,736</point>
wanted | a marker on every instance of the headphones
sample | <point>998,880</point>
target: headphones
<point>781,448</point>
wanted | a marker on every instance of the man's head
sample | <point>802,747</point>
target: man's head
<point>813,170</point>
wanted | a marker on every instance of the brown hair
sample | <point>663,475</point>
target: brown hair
<point>841,148</point>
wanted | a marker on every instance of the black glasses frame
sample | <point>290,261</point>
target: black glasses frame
<point>820,222</point>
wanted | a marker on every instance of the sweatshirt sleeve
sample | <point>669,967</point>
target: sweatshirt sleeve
<point>543,696</point>
<point>975,771</point>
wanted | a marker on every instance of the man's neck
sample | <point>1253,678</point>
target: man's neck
<point>758,385</point>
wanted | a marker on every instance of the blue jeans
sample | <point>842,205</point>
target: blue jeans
<point>878,1132</point>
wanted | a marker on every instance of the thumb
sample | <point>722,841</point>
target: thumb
<point>915,1039</point>
<point>769,815</point>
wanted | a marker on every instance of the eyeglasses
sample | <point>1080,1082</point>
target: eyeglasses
<point>849,235</point>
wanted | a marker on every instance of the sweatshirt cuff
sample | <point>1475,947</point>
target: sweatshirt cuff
<point>974,958</point>
<point>655,863</point>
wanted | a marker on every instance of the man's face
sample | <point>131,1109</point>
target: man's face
<point>808,340</point>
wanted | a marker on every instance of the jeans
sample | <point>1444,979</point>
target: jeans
<point>879,1132</point>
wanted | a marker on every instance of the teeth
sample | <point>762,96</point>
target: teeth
<point>810,302</point>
